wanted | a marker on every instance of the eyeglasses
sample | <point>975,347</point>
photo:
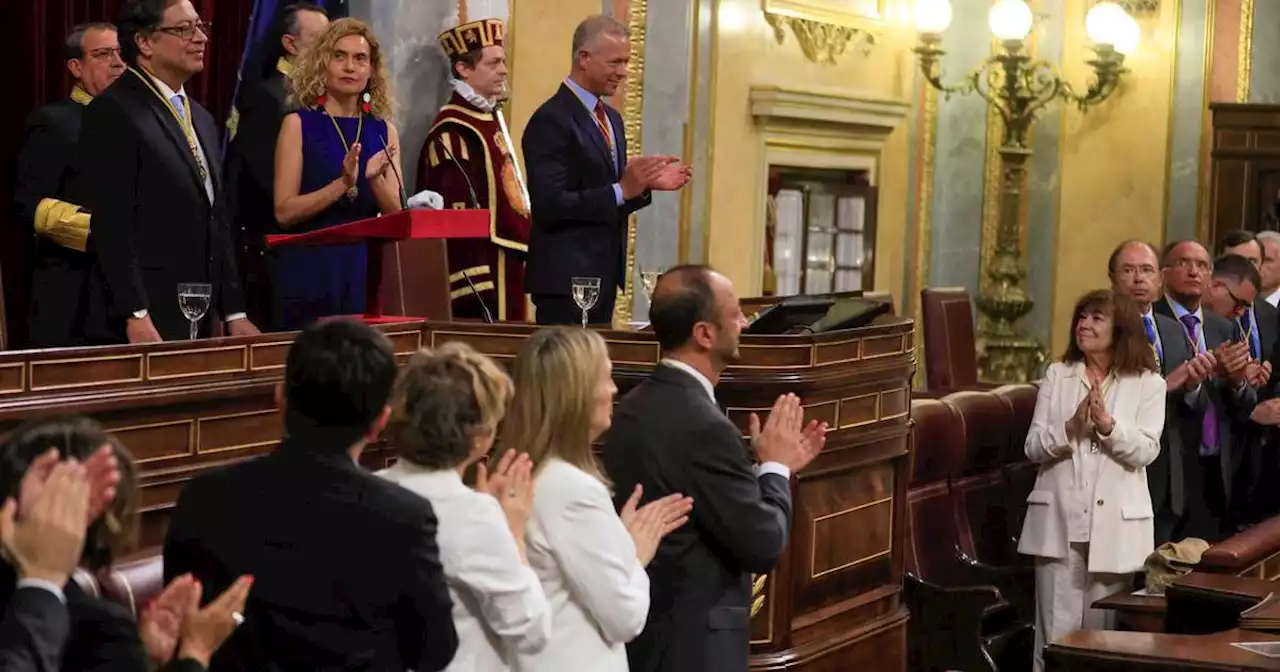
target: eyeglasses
<point>187,31</point>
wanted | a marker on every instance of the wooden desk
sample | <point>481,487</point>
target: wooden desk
<point>1106,650</point>
<point>832,602</point>
<point>1141,613</point>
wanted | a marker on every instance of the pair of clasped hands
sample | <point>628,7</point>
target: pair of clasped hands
<point>42,533</point>
<point>656,172</point>
<point>1091,416</point>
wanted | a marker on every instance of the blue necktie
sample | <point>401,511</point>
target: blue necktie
<point>1150,324</point>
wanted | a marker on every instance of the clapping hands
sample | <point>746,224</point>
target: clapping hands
<point>784,438</point>
<point>511,483</point>
<point>648,524</point>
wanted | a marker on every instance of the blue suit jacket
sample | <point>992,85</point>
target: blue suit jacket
<point>578,229</point>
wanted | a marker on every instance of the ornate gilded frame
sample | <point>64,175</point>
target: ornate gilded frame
<point>632,112</point>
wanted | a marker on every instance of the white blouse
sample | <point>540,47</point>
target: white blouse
<point>598,590</point>
<point>499,608</point>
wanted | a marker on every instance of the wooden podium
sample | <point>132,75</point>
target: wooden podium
<point>376,232</point>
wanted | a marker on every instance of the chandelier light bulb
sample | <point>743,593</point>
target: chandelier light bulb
<point>932,16</point>
<point>1010,20</point>
<point>1105,24</point>
<point>1129,36</point>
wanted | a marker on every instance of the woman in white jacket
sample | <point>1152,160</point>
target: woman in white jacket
<point>590,558</point>
<point>1096,427</point>
<point>445,413</point>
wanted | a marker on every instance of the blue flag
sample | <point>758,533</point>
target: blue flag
<point>262,45</point>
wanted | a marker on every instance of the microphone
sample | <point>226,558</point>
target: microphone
<point>404,200</point>
<point>475,203</point>
<point>488,319</point>
<point>471,189</point>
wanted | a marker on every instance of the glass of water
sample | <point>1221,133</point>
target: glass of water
<point>586,291</point>
<point>649,280</point>
<point>193,299</point>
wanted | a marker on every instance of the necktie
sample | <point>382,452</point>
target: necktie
<point>179,104</point>
<point>602,121</point>
<point>1209,427</point>
<point>1149,323</point>
<point>1249,326</point>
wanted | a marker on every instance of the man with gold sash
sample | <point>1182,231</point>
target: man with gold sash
<point>251,156</point>
<point>47,195</point>
<point>159,216</point>
<point>468,158</point>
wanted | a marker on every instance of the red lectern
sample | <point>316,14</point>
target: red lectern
<point>376,231</point>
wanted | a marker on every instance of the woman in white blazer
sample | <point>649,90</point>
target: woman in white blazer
<point>1096,427</point>
<point>445,413</point>
<point>590,559</point>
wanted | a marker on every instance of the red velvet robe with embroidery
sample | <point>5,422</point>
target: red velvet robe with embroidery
<point>495,266</point>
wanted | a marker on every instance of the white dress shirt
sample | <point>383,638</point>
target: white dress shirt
<point>760,469</point>
<point>1274,298</point>
<point>598,590</point>
<point>499,609</point>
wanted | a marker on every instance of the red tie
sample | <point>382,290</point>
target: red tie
<point>603,122</point>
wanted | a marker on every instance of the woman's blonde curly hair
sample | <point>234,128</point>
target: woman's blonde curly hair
<point>307,81</point>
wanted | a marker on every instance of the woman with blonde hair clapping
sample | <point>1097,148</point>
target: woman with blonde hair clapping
<point>591,560</point>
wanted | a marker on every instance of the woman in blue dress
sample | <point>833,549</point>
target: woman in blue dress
<point>337,161</point>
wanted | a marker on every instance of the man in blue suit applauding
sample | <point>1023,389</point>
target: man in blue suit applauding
<point>581,184</point>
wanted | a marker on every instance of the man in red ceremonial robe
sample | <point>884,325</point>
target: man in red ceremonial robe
<point>469,160</point>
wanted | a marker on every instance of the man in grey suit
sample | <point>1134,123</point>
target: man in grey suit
<point>1210,470</point>
<point>669,435</point>
<point>1134,270</point>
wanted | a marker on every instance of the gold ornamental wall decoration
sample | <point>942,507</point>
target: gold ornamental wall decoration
<point>820,42</point>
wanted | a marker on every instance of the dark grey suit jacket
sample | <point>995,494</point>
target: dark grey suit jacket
<point>34,630</point>
<point>1233,404</point>
<point>1182,415</point>
<point>669,436</point>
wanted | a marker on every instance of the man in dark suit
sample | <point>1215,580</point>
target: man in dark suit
<point>1134,270</point>
<point>155,192</point>
<point>45,544</point>
<point>1260,320</point>
<point>48,196</point>
<point>582,186</point>
<point>1209,471</point>
<point>669,435</point>
<point>346,568</point>
<point>251,156</point>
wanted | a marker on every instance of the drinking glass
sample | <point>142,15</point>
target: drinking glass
<point>649,280</point>
<point>586,291</point>
<point>193,299</point>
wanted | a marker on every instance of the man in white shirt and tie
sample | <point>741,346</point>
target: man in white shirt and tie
<point>1134,270</point>
<point>669,435</point>
<point>150,160</point>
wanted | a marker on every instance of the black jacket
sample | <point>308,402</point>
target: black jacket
<point>347,573</point>
<point>669,436</point>
<point>153,223</point>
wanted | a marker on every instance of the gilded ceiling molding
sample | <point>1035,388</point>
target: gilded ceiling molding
<point>632,112</point>
<point>821,42</point>
<point>1244,67</point>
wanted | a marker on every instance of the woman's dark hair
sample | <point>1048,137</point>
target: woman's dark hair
<point>115,532</point>
<point>445,399</point>
<point>1131,352</point>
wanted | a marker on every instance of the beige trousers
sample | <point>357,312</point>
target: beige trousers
<point>1064,592</point>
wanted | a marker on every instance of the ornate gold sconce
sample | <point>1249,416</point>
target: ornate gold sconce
<point>1018,87</point>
